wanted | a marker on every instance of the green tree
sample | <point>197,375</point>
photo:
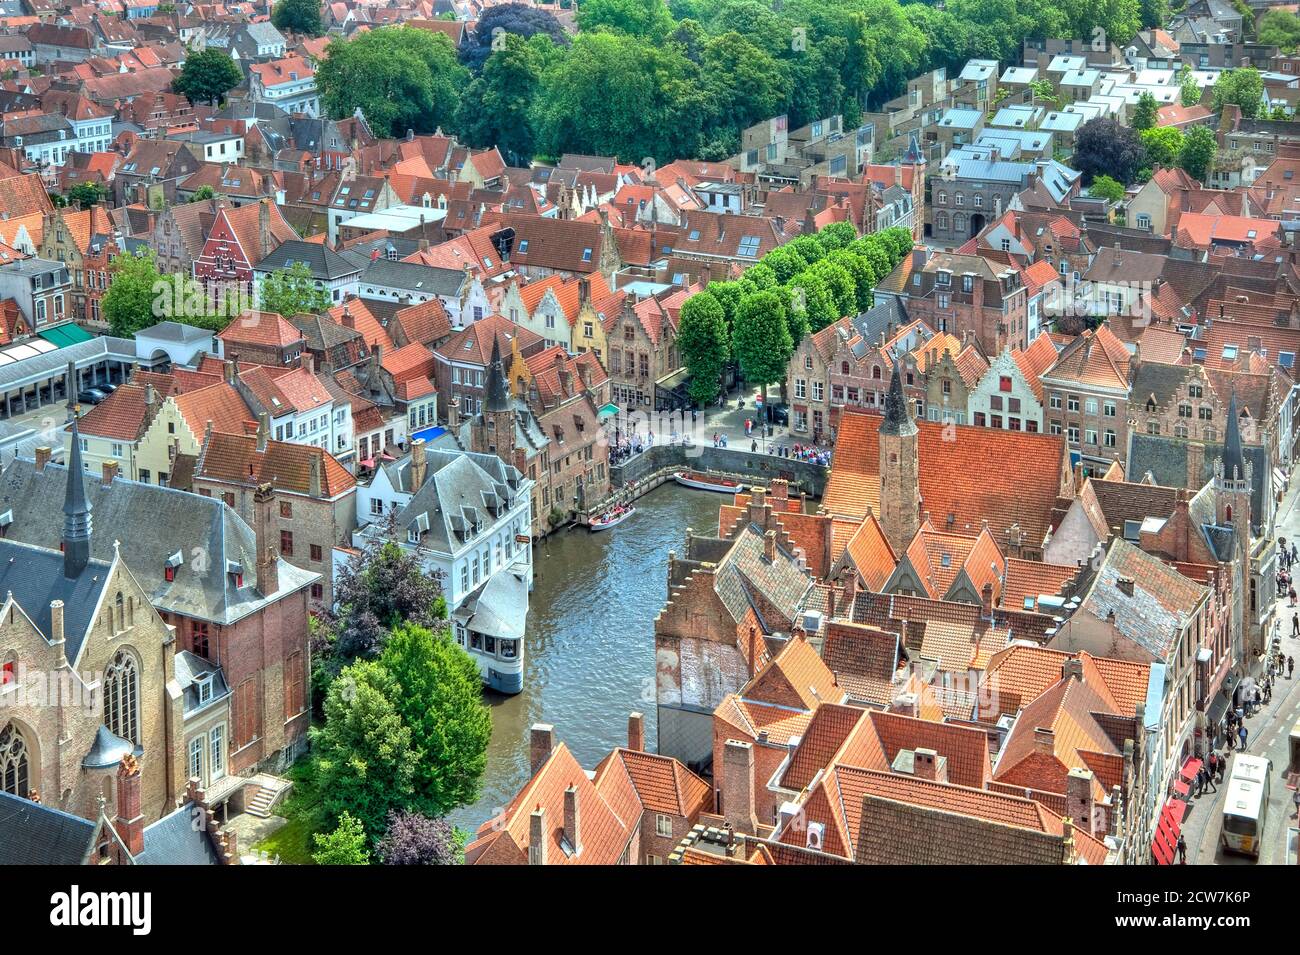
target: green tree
<point>1163,144</point>
<point>207,76</point>
<point>203,193</point>
<point>87,194</point>
<point>1144,114</point>
<point>1154,12</point>
<point>860,271</point>
<point>1242,87</point>
<point>786,262</point>
<point>400,77</point>
<point>761,339</point>
<point>292,291</point>
<point>1189,91</point>
<point>366,761</point>
<point>640,18</point>
<point>702,343</point>
<point>300,16</point>
<point>837,235</point>
<point>495,109</point>
<point>131,301</point>
<point>439,696</point>
<point>1104,187</point>
<point>1281,28</point>
<point>839,285</point>
<point>1199,149</point>
<point>1106,147</point>
<point>1043,92</point>
<point>747,84</point>
<point>346,845</point>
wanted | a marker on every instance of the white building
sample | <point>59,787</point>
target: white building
<point>289,83</point>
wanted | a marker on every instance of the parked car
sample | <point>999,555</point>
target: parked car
<point>107,387</point>
<point>778,414</point>
<point>91,396</point>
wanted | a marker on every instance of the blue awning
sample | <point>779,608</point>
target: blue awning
<point>429,434</point>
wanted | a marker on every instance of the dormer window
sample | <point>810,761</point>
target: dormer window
<point>235,571</point>
<point>204,687</point>
<point>169,570</point>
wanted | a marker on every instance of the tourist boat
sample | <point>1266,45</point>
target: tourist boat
<point>705,482</point>
<point>611,519</point>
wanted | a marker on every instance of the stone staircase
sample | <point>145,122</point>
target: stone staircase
<point>262,793</point>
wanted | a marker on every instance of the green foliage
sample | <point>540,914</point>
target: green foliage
<point>702,341</point>
<point>1044,93</point>
<point>203,193</point>
<point>1242,87</point>
<point>1104,187</point>
<point>1189,91</point>
<point>1281,28</point>
<point>1144,114</point>
<point>207,76</point>
<point>292,291</point>
<point>1154,12</point>
<point>761,338</point>
<point>640,18</point>
<point>837,235</point>
<point>1199,148</point>
<point>440,698</point>
<point>129,304</point>
<point>300,16</point>
<point>366,760</point>
<point>785,262</point>
<point>346,845</point>
<point>86,194</point>
<point>1163,145</point>
<point>401,77</point>
<point>496,106</point>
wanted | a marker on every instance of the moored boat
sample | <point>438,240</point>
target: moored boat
<point>611,519</point>
<point>706,482</point>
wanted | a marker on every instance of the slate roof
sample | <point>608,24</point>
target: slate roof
<point>35,834</point>
<point>780,582</point>
<point>175,840</point>
<point>458,493</point>
<point>325,264</point>
<point>34,574</point>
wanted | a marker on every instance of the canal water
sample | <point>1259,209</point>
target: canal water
<point>590,639</point>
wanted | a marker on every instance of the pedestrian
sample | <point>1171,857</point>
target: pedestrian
<point>1213,762</point>
<point>1295,625</point>
<point>1200,780</point>
<point>1182,850</point>
<point>1241,735</point>
<point>1209,780</point>
<point>753,446</point>
<point>1290,669</point>
<point>1223,766</point>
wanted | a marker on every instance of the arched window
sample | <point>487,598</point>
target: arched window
<point>875,372</point>
<point>119,618</point>
<point>122,697</point>
<point>844,368</point>
<point>14,777</point>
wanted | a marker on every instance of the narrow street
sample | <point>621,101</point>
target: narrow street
<point>1268,735</point>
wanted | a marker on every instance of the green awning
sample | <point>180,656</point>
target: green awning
<point>607,410</point>
<point>65,335</point>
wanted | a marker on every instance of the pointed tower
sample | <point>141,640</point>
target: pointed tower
<point>495,426</point>
<point>76,514</point>
<point>1233,476</point>
<point>900,489</point>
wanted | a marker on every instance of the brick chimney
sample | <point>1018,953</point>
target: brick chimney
<point>537,837</point>
<point>110,472</point>
<point>264,226</point>
<point>419,464</point>
<point>263,431</point>
<point>228,371</point>
<point>43,454</point>
<point>769,546</point>
<point>130,816</point>
<point>1078,800</point>
<point>268,568</point>
<point>541,740</point>
<point>738,786</point>
<point>1125,585</point>
<point>315,483</point>
<point>636,732</point>
<point>1044,740</point>
<point>572,820</point>
<point>927,764</point>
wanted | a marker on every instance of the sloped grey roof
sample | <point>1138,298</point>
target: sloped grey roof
<point>413,276</point>
<point>460,492</point>
<point>189,669</point>
<point>34,575</point>
<point>780,582</point>
<point>108,749</point>
<point>33,834</point>
<point>175,840</point>
<point>152,523</point>
<point>325,264</point>
<point>499,607</point>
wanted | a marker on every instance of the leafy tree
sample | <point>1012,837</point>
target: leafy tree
<point>299,16</point>
<point>1154,12</point>
<point>786,262</point>
<point>1189,91</point>
<point>203,193</point>
<point>1163,144</point>
<point>207,76</point>
<point>1104,187</point>
<point>366,763</point>
<point>703,344</point>
<point>858,266</point>
<point>1144,114</point>
<point>839,283</point>
<point>413,839</point>
<point>439,696</point>
<point>131,301</point>
<point>499,23</point>
<point>402,78</point>
<point>87,194</point>
<point>1242,87</point>
<point>1199,149</point>
<point>1281,28</point>
<point>292,291</point>
<point>641,18</point>
<point>836,235</point>
<point>728,295</point>
<point>1104,146</point>
<point>346,845</point>
<point>748,85</point>
<point>378,589</point>
<point>761,339</point>
<point>495,109</point>
<point>1044,93</point>
<point>808,248</point>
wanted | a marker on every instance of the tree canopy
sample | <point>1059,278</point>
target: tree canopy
<point>1104,146</point>
<point>1243,87</point>
<point>207,76</point>
<point>346,845</point>
<point>299,16</point>
<point>702,341</point>
<point>1281,28</point>
<point>1198,151</point>
<point>503,21</point>
<point>292,291</point>
<point>413,839</point>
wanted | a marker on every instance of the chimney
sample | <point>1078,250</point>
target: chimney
<point>769,546</point>
<point>738,786</point>
<point>1125,585</point>
<point>130,817</point>
<point>1044,740</point>
<point>268,566</point>
<point>263,431</point>
<point>314,483</point>
<point>42,457</point>
<point>537,837</point>
<point>1072,669</point>
<point>927,764</point>
<point>986,599</point>
<point>228,371</point>
<point>110,472</point>
<point>541,740</point>
<point>636,732</point>
<point>1078,800</point>
<point>150,395</point>
<point>348,320</point>
<point>419,464</point>
<point>584,290</point>
<point>56,623</point>
<point>264,226</point>
<point>920,255</point>
<point>572,822</point>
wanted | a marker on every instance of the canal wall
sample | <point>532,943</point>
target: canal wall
<point>656,464</point>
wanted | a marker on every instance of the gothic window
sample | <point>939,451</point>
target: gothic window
<point>122,697</point>
<point>13,762</point>
<point>119,617</point>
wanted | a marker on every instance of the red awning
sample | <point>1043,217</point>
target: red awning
<point>1190,769</point>
<point>1182,788</point>
<point>1164,846</point>
<point>368,463</point>
<point>388,457</point>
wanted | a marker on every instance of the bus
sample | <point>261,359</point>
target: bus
<point>1245,809</point>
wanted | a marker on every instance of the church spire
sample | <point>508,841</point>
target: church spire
<point>76,514</point>
<point>1234,465</point>
<point>498,395</point>
<point>898,416</point>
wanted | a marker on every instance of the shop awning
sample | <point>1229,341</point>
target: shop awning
<point>607,410</point>
<point>428,435</point>
<point>671,380</point>
<point>65,335</point>
<point>1164,845</point>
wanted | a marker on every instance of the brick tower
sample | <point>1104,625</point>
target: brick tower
<point>900,490</point>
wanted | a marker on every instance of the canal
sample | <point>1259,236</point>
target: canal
<point>590,640</point>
